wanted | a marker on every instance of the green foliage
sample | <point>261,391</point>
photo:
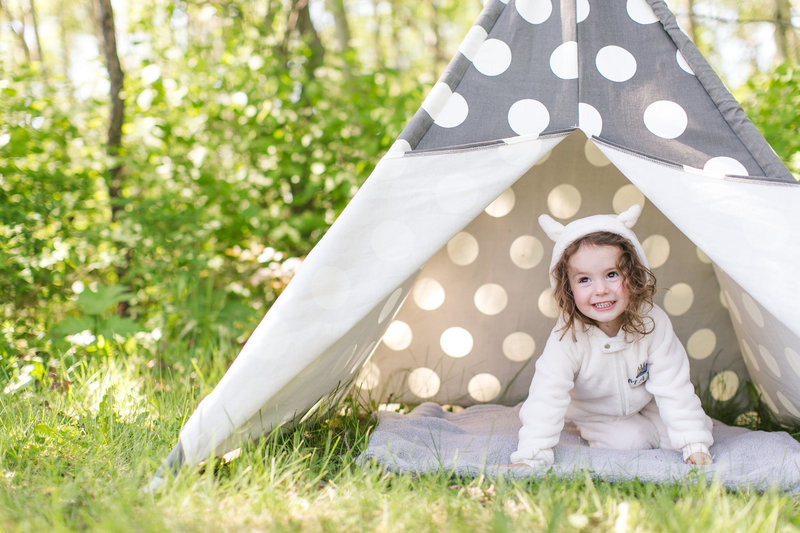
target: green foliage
<point>773,103</point>
<point>234,163</point>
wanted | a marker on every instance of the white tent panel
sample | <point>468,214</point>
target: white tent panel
<point>402,215</point>
<point>749,230</point>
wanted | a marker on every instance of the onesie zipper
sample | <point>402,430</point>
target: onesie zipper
<point>620,380</point>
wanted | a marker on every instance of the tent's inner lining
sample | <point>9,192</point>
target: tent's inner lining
<point>480,310</point>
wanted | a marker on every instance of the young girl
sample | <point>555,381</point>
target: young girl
<point>612,364</point>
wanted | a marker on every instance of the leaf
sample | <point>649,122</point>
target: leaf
<point>72,325</point>
<point>95,302</point>
<point>124,327</point>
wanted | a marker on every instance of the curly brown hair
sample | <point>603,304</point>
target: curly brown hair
<point>638,279</point>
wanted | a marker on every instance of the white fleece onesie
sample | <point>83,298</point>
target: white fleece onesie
<point>605,385</point>
<point>625,392</point>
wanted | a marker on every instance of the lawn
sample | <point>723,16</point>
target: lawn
<point>79,446</point>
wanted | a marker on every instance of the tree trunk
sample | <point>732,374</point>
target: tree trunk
<point>439,58</point>
<point>63,39</point>
<point>785,38</point>
<point>19,32</point>
<point>692,29</point>
<point>380,60</point>
<point>299,22</point>
<point>35,24</point>
<point>396,23</point>
<point>341,24</point>
<point>108,44</point>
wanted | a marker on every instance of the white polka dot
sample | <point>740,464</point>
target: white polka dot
<point>454,113</point>
<point>641,12</point>
<point>369,377</point>
<point>724,386</point>
<point>769,360</point>
<point>627,196</point>
<point>615,63</point>
<point>665,119</point>
<point>678,299</point>
<point>528,117</point>
<point>534,11</point>
<point>398,336</point>
<point>733,309</point>
<point>547,304</point>
<point>794,360</point>
<point>399,147</point>
<point>330,287</point>
<point>788,405</point>
<point>428,294</point>
<point>748,354</point>
<point>472,42</point>
<point>752,309</point>
<point>484,387</point>
<point>589,120</point>
<point>456,342</point>
<point>424,382</point>
<point>388,307</point>
<point>702,257</point>
<point>594,155</point>
<point>656,249</point>
<point>701,343</point>
<point>582,10</point>
<point>490,299</point>
<point>526,251</point>
<point>564,201</point>
<point>519,346</point>
<point>392,240</point>
<point>722,166</point>
<point>437,99</point>
<point>453,197</point>
<point>366,353</point>
<point>767,399</point>
<point>564,60</point>
<point>502,205</point>
<point>493,57</point>
<point>683,63</point>
<point>463,249</point>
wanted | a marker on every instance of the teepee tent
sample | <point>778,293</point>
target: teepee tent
<point>432,283</point>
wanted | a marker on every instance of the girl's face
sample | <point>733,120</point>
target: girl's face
<point>597,285</point>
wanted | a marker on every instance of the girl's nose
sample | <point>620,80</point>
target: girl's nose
<point>600,287</point>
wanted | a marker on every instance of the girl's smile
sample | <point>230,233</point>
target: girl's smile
<point>597,285</point>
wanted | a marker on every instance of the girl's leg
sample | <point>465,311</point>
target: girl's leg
<point>635,432</point>
<point>651,413</point>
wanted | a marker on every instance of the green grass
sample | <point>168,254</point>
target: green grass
<point>78,448</point>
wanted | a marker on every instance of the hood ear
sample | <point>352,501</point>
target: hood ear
<point>630,215</point>
<point>551,227</point>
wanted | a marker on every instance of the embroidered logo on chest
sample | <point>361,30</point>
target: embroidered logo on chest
<point>641,376</point>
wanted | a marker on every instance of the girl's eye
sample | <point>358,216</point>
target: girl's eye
<point>583,280</point>
<point>613,274</point>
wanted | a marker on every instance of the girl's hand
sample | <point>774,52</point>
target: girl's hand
<point>699,458</point>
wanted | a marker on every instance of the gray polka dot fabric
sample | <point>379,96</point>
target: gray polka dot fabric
<point>623,73</point>
<point>620,70</point>
<point>481,310</point>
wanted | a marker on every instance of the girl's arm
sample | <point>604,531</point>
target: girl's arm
<point>542,414</point>
<point>688,426</point>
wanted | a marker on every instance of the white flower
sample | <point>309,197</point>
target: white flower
<point>84,338</point>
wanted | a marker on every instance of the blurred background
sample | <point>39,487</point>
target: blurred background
<point>166,164</point>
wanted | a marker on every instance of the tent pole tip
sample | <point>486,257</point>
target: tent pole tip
<point>171,464</point>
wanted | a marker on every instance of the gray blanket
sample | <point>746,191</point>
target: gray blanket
<point>480,439</point>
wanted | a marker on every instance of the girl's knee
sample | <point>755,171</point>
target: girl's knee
<point>634,433</point>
